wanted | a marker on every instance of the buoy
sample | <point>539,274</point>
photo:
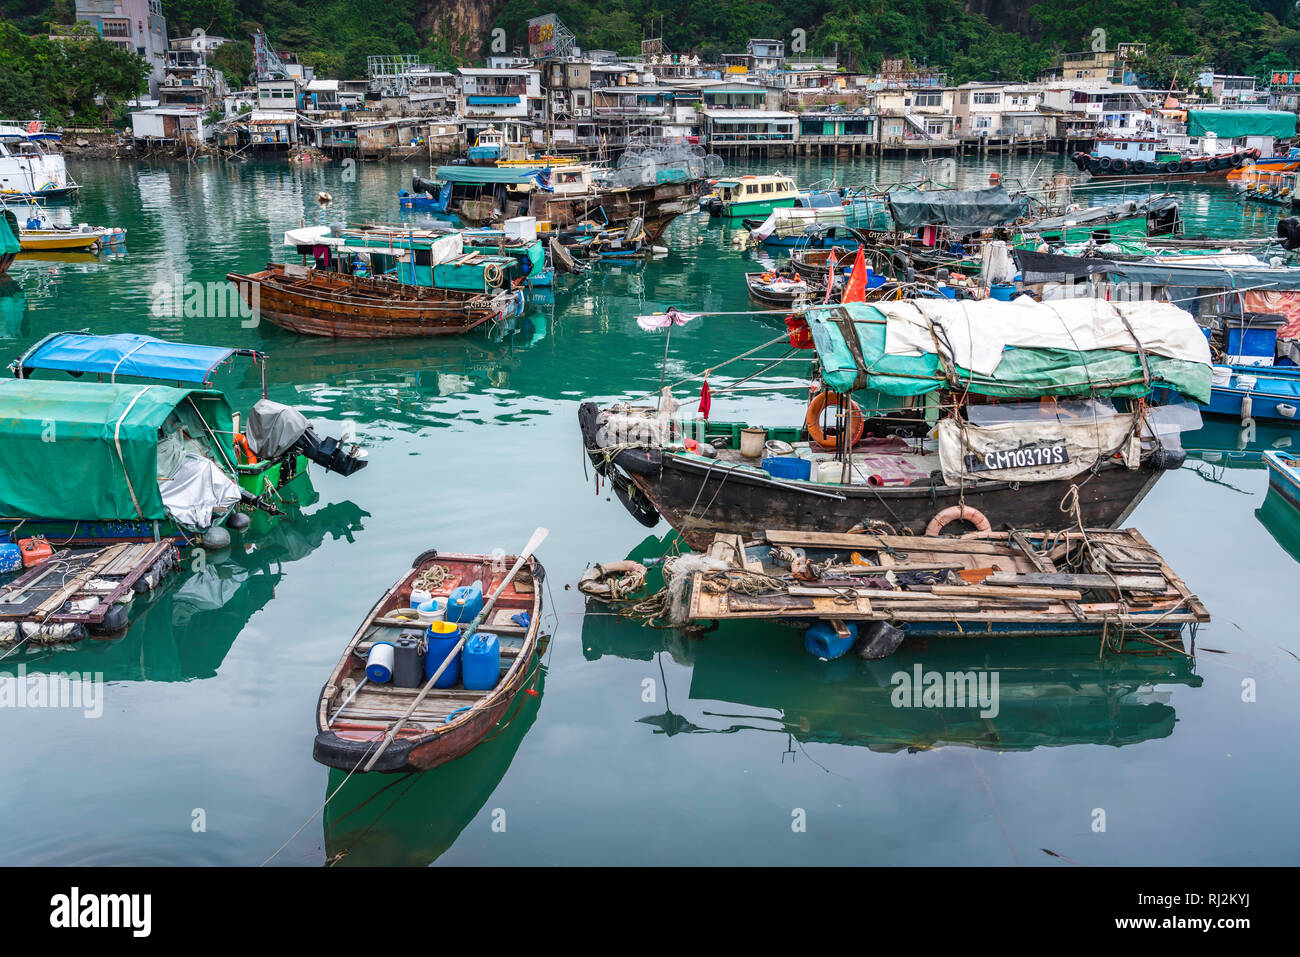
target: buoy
<point>238,521</point>
<point>994,177</point>
<point>324,198</point>
<point>954,512</point>
<point>214,538</point>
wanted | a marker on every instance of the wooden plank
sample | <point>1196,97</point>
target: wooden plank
<point>994,591</point>
<point>902,543</point>
<point>89,571</point>
<point>1155,583</point>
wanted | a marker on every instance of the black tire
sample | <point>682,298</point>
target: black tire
<point>425,556</point>
<point>1169,168</point>
<point>1238,161</point>
<point>1119,166</point>
<point>1184,166</point>
<point>1104,163</point>
<point>1139,166</point>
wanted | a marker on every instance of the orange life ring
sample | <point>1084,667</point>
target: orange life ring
<point>954,512</point>
<point>812,420</point>
<point>34,126</point>
<point>241,446</point>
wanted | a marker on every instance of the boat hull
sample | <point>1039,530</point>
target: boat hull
<point>1284,476</point>
<point>700,499</point>
<point>1213,167</point>
<point>341,307</point>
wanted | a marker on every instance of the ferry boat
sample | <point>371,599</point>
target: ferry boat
<point>1150,157</point>
<point>756,196</point>
<point>28,168</point>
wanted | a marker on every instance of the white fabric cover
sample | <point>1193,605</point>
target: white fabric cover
<point>1085,441</point>
<point>195,489</point>
<point>973,333</point>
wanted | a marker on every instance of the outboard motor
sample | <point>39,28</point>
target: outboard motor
<point>275,429</point>
<point>331,453</point>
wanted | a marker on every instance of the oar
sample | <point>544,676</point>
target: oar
<point>538,537</point>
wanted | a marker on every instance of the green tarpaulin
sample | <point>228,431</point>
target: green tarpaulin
<point>1231,124</point>
<point>8,233</point>
<point>484,174</point>
<point>958,208</point>
<point>850,343</point>
<point>89,450</point>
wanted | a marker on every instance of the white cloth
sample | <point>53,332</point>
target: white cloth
<point>195,489</point>
<point>973,333</point>
<point>1086,440</point>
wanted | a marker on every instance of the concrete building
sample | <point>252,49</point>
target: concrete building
<point>137,26</point>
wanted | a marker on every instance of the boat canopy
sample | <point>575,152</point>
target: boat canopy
<point>9,244</point>
<point>126,354</point>
<point>1187,272</point>
<point>485,175</point>
<point>1233,124</point>
<point>1021,349</point>
<point>90,450</point>
<point>958,208</point>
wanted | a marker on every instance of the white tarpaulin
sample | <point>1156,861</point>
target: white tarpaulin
<point>195,489</point>
<point>446,249</point>
<point>1067,448</point>
<point>973,333</point>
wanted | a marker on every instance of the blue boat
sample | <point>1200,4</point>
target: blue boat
<point>1271,393</point>
<point>1284,475</point>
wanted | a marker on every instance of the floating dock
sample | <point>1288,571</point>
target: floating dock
<point>76,593</point>
<point>1104,582</point>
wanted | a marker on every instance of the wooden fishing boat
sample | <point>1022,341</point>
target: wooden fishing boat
<point>323,303</point>
<point>814,264</point>
<point>843,464</point>
<point>354,714</point>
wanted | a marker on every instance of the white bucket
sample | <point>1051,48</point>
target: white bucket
<point>1220,376</point>
<point>379,663</point>
<point>419,596</point>
<point>752,442</point>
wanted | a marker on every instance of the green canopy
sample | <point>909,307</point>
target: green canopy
<point>89,450</point>
<point>850,343</point>
<point>486,174</point>
<point>9,234</point>
<point>1233,124</point>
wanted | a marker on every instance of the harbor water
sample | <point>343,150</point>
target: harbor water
<point>642,746</point>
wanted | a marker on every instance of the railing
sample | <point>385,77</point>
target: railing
<point>751,137</point>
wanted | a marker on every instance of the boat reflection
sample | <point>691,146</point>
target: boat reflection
<point>185,629</point>
<point>1280,518</point>
<point>13,308</point>
<point>756,676</point>
<point>412,819</point>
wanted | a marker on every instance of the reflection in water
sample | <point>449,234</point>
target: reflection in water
<point>1282,521</point>
<point>185,629</point>
<point>13,308</point>
<point>1051,691</point>
<point>411,819</point>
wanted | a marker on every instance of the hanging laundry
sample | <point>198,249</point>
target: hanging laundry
<point>706,398</point>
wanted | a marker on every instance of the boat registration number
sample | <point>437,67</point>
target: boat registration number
<point>1053,453</point>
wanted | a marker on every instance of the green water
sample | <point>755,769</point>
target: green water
<point>644,746</point>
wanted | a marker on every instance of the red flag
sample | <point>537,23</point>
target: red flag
<point>856,290</point>
<point>706,399</point>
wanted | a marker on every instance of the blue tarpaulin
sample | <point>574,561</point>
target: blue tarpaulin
<point>124,354</point>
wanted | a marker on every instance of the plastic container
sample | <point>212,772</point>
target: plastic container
<point>408,662</point>
<point>419,596</point>
<point>379,662</point>
<point>1220,377</point>
<point>752,441</point>
<point>35,550</point>
<point>1002,291</point>
<point>442,637</point>
<point>788,467</point>
<point>823,641</point>
<point>465,602</point>
<point>11,557</point>
<point>1253,341</point>
<point>874,280</point>
<point>481,662</point>
<point>435,609</point>
<point>947,291</point>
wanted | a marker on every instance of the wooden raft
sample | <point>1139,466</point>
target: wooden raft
<point>1099,577</point>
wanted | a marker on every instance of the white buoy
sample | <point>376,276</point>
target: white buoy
<point>323,198</point>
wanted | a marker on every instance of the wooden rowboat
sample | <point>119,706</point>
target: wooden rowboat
<point>449,722</point>
<point>322,303</point>
<point>787,292</point>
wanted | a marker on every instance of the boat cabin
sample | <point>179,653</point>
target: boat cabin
<point>1127,148</point>
<point>757,189</point>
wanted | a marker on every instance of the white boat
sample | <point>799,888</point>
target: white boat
<point>29,168</point>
